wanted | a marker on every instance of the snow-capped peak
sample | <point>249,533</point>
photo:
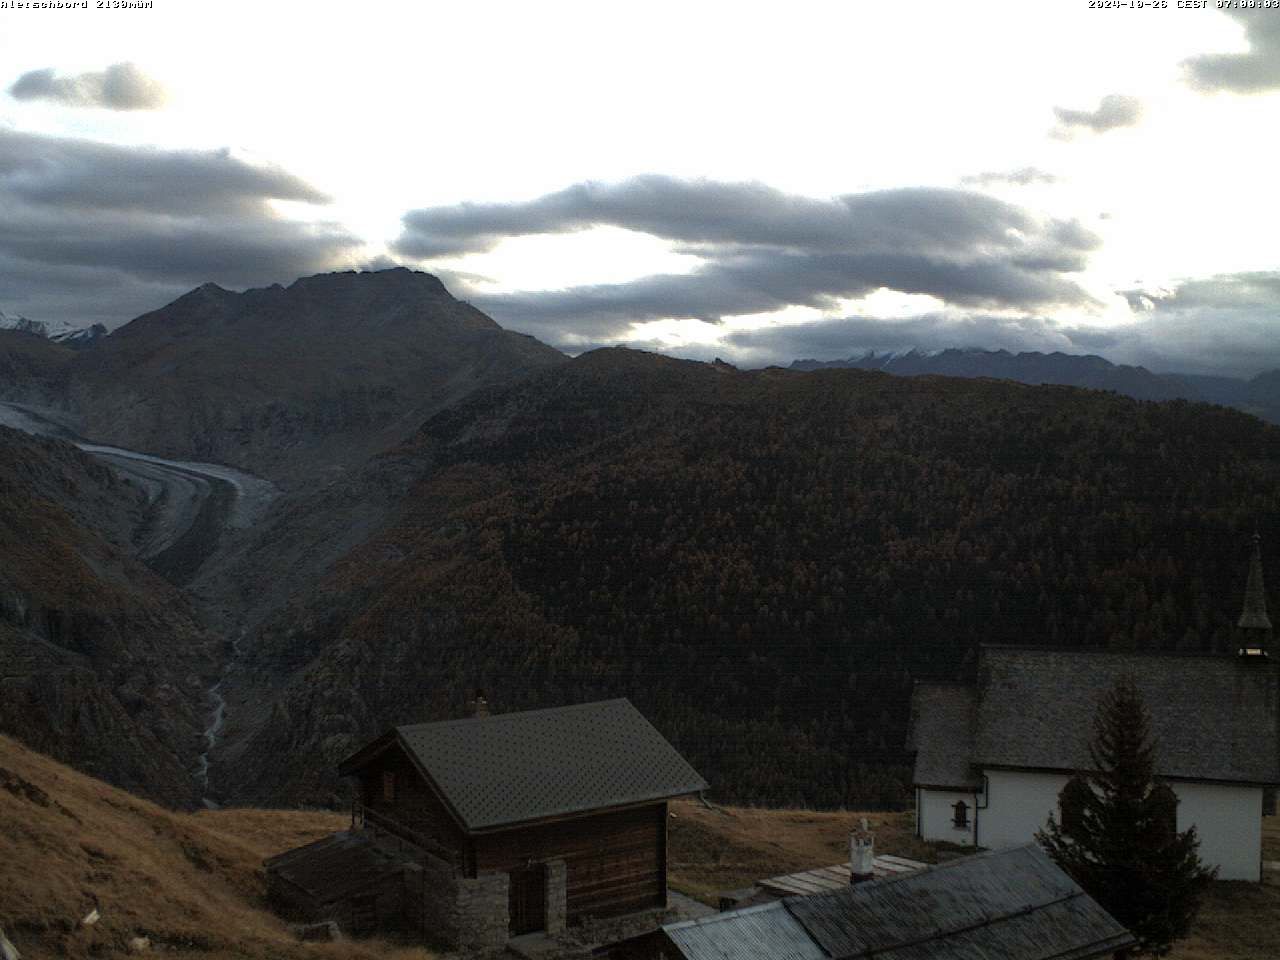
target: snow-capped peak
<point>58,330</point>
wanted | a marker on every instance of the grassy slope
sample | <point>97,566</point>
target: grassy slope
<point>191,882</point>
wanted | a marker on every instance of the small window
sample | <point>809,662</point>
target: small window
<point>389,786</point>
<point>961,819</point>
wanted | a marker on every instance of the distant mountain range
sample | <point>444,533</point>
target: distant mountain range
<point>58,332</point>
<point>1259,396</point>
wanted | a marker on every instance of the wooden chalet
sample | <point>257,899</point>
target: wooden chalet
<point>539,819</point>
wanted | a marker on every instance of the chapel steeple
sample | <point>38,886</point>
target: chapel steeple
<point>1254,624</point>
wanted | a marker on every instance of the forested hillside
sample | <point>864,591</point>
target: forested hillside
<point>763,562</point>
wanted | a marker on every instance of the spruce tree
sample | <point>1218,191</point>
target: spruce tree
<point>1119,839</point>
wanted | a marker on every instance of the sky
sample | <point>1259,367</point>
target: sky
<point>757,182</point>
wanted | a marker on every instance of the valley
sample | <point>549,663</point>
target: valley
<point>627,524</point>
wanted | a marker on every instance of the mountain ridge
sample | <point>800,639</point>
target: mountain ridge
<point>1259,395</point>
<point>294,382</point>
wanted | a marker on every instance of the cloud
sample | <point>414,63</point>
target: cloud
<point>1223,324</point>
<point>1114,111</point>
<point>54,173</point>
<point>92,230</point>
<point>1022,177</point>
<point>764,250</point>
<point>121,86</point>
<point>1254,72</point>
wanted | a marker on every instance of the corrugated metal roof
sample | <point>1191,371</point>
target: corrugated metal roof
<point>1011,904</point>
<point>765,932</point>
<point>334,867</point>
<point>1213,718</point>
<point>513,767</point>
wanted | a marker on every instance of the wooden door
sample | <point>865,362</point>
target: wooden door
<point>364,915</point>
<point>528,899</point>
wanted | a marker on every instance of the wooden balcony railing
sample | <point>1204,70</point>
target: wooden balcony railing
<point>363,817</point>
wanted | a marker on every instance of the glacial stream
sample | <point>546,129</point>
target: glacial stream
<point>217,720</point>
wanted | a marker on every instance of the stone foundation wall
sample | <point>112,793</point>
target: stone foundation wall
<point>592,932</point>
<point>484,919</point>
<point>458,913</point>
<point>431,901</point>
<point>557,901</point>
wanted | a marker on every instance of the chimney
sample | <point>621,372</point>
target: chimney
<point>862,854</point>
<point>478,706</point>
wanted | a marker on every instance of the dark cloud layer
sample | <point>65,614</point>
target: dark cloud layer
<point>1114,111</point>
<point>1220,324</point>
<point>1254,72</point>
<point>764,250</point>
<point>94,232</point>
<point>121,86</point>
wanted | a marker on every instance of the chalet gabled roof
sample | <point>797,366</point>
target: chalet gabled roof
<point>1007,903</point>
<point>942,721</point>
<point>511,768</point>
<point>1212,717</point>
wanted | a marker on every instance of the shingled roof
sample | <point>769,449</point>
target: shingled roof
<point>511,768</point>
<point>1212,717</point>
<point>942,721</point>
<point>1010,904</point>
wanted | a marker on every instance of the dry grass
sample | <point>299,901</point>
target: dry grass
<point>190,882</point>
<point>731,847</point>
<point>1240,921</point>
